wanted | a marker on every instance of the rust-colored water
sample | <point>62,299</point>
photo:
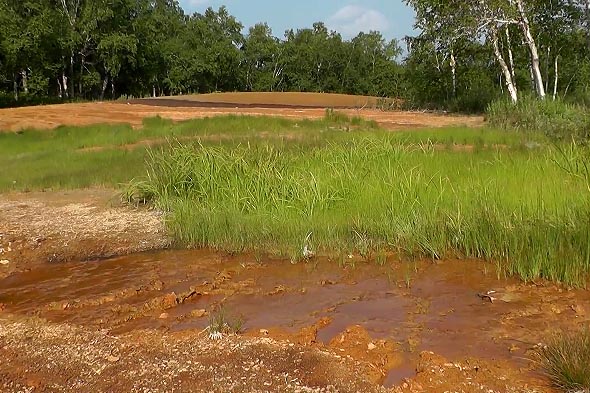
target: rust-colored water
<point>421,306</point>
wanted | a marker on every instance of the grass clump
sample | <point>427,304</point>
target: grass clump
<point>554,118</point>
<point>566,361</point>
<point>220,322</point>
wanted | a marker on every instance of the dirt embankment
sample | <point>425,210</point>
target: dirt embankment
<point>41,227</point>
<point>52,116</point>
<point>63,358</point>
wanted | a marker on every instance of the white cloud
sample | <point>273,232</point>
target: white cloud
<point>191,4</point>
<point>352,19</point>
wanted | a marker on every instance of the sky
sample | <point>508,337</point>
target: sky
<point>391,17</point>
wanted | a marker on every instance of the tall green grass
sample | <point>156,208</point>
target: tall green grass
<point>336,185</point>
<point>556,119</point>
<point>107,155</point>
<point>371,193</point>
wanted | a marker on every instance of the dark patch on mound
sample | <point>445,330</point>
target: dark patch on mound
<point>204,104</point>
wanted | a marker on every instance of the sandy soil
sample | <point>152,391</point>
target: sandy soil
<point>40,227</point>
<point>51,116</point>
<point>60,358</point>
<point>137,322</point>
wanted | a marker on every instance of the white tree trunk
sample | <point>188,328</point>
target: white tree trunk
<point>510,54</point>
<point>534,53</point>
<point>532,77</point>
<point>453,64</point>
<point>25,81</point>
<point>82,66</point>
<point>60,89</point>
<point>505,70</point>
<point>15,86</point>
<point>72,91</point>
<point>105,84</point>
<point>64,83</point>
<point>547,68</point>
<point>556,77</point>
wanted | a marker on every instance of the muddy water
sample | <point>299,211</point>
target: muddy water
<point>417,306</point>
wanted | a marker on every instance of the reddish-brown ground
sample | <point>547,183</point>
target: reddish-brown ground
<point>288,99</point>
<point>137,322</point>
<point>175,108</point>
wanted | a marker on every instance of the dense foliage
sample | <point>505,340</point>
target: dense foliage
<point>107,48</point>
<point>468,54</point>
<point>464,57</point>
<point>555,118</point>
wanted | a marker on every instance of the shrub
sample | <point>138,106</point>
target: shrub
<point>557,119</point>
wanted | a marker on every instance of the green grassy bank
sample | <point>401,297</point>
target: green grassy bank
<point>337,186</point>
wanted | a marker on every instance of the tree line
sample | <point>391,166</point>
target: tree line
<point>472,52</point>
<point>466,54</point>
<point>106,48</point>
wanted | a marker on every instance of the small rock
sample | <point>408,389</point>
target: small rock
<point>186,295</point>
<point>578,309</point>
<point>278,289</point>
<point>169,301</point>
<point>264,331</point>
<point>198,313</point>
<point>4,262</point>
<point>113,359</point>
<point>164,315</point>
<point>371,346</point>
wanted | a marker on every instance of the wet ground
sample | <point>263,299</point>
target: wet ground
<point>391,318</point>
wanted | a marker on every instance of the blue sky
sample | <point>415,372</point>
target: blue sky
<point>392,17</point>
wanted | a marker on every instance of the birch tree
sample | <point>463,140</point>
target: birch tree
<point>483,20</point>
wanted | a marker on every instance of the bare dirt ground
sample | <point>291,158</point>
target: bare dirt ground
<point>40,227</point>
<point>282,99</point>
<point>137,322</point>
<point>51,116</point>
